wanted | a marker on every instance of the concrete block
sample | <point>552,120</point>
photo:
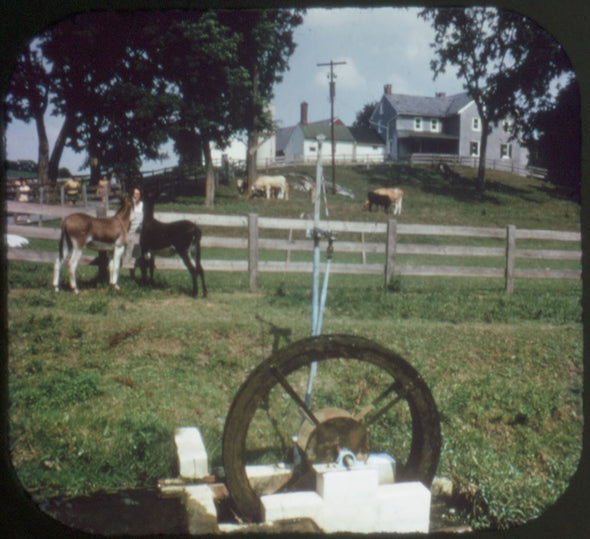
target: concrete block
<point>348,517</point>
<point>358,484</point>
<point>192,455</point>
<point>403,507</point>
<point>290,505</point>
<point>385,466</point>
<point>199,501</point>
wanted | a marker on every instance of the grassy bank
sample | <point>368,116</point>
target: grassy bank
<point>99,382</point>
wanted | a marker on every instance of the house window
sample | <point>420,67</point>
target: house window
<point>312,148</point>
<point>506,151</point>
<point>506,126</point>
<point>417,124</point>
<point>474,149</point>
<point>475,124</point>
<point>434,124</point>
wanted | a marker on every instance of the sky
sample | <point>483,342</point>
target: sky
<point>379,45</point>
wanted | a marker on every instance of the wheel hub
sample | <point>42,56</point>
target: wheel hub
<point>337,429</point>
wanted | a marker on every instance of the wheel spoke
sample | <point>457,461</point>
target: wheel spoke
<point>392,402</point>
<point>382,410</point>
<point>293,394</point>
<point>371,406</point>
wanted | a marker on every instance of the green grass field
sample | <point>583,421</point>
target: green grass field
<point>99,382</point>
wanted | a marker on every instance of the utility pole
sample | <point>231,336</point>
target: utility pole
<point>332,95</point>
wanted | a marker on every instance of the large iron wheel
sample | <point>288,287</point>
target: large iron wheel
<point>363,395</point>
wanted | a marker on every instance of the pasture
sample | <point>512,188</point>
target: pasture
<point>98,382</point>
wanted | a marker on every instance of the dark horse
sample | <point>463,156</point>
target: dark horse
<point>178,237</point>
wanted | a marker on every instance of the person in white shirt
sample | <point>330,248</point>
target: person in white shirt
<point>133,249</point>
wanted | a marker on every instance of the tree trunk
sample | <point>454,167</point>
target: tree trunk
<point>209,176</point>
<point>43,163</point>
<point>94,171</point>
<point>251,154</point>
<point>481,171</point>
<point>251,158</point>
<point>57,152</point>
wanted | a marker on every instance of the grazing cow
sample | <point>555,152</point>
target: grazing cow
<point>270,183</point>
<point>267,186</point>
<point>395,195</point>
<point>376,199</point>
<point>386,197</point>
<point>242,185</point>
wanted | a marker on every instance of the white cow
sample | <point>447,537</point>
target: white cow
<point>268,183</point>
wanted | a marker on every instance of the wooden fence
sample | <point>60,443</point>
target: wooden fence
<point>506,165</point>
<point>246,238</point>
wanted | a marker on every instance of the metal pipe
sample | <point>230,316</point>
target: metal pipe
<point>316,307</point>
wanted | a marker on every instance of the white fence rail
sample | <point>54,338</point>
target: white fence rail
<point>506,165</point>
<point>385,242</point>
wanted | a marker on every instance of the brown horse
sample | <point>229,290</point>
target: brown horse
<point>79,230</point>
<point>177,237</point>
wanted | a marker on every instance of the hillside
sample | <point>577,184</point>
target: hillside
<point>429,198</point>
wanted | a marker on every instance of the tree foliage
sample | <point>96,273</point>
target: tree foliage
<point>199,60</point>
<point>265,39</point>
<point>364,115</point>
<point>107,88</point>
<point>126,82</point>
<point>557,140</point>
<point>506,61</point>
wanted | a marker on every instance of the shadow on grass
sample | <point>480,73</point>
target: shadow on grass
<point>278,333</point>
<point>446,183</point>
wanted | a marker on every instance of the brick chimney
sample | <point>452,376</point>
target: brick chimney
<point>387,89</point>
<point>304,113</point>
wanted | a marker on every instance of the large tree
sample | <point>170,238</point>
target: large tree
<point>506,61</point>
<point>28,98</point>
<point>108,88</point>
<point>557,141</point>
<point>199,58</point>
<point>265,45</point>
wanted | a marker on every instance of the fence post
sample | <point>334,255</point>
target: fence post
<point>253,251</point>
<point>390,250</point>
<point>363,252</point>
<point>510,257</point>
<point>62,194</point>
<point>289,242</point>
<point>85,195</point>
<point>41,203</point>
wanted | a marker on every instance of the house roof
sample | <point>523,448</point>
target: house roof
<point>366,135</point>
<point>436,107</point>
<point>341,132</point>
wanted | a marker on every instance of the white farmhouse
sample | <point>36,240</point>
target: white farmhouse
<point>298,143</point>
<point>440,125</point>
